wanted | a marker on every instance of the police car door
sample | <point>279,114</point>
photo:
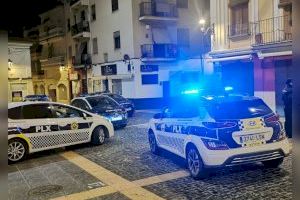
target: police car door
<point>74,125</point>
<point>175,127</point>
<point>37,124</point>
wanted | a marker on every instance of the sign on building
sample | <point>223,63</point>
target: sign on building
<point>107,70</point>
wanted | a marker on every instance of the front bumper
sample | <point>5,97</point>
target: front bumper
<point>120,123</point>
<point>245,155</point>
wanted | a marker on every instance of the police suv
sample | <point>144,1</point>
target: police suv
<point>38,126</point>
<point>219,131</point>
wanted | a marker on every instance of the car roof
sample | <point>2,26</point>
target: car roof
<point>229,98</point>
<point>17,104</point>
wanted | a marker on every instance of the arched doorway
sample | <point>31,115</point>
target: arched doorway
<point>62,92</point>
<point>52,92</point>
<point>42,89</point>
<point>35,89</point>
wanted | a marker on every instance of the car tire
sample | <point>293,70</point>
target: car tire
<point>98,136</point>
<point>17,150</point>
<point>195,164</point>
<point>273,163</point>
<point>153,144</point>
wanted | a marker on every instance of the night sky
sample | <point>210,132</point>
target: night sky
<point>24,13</point>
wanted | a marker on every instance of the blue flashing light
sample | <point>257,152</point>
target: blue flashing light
<point>228,88</point>
<point>191,91</point>
<point>209,98</point>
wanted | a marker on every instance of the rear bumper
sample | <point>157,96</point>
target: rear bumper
<point>246,155</point>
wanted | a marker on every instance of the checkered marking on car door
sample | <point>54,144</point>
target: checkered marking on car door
<point>48,140</point>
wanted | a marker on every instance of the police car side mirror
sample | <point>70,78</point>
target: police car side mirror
<point>84,115</point>
<point>157,116</point>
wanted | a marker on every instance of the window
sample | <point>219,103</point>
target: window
<point>102,103</point>
<point>183,37</point>
<point>95,46</point>
<point>182,3</point>
<point>80,104</point>
<point>37,111</point>
<point>65,112</point>
<point>93,12</point>
<point>148,79</point>
<point>114,5</point>
<point>239,18</point>
<point>14,113</point>
<point>70,52</point>
<point>69,25</point>
<point>117,40</point>
<point>82,15</point>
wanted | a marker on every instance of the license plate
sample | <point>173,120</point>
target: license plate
<point>252,140</point>
<point>116,118</point>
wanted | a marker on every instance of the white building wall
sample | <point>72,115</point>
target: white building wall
<point>106,23</point>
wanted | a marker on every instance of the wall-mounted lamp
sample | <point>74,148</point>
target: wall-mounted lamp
<point>10,63</point>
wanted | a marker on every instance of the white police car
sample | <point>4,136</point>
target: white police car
<point>38,126</point>
<point>219,131</point>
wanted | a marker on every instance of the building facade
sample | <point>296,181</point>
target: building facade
<point>19,71</point>
<point>49,59</point>
<point>252,46</point>
<point>131,47</point>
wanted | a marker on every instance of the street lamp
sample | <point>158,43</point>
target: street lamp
<point>204,31</point>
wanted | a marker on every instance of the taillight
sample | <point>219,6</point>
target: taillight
<point>215,144</point>
<point>273,118</point>
<point>215,125</point>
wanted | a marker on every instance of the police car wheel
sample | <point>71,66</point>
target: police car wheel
<point>195,164</point>
<point>153,144</point>
<point>17,150</point>
<point>273,163</point>
<point>98,136</point>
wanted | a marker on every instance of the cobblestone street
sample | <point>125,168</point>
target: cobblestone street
<point>124,163</point>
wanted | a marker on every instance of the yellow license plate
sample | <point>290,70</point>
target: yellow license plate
<point>250,124</point>
<point>253,144</point>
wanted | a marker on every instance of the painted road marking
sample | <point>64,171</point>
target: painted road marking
<point>137,125</point>
<point>95,185</point>
<point>114,182</point>
<point>161,178</point>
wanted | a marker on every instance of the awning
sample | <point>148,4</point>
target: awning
<point>230,58</point>
<point>274,54</point>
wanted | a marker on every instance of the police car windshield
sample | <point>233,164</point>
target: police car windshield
<point>102,103</point>
<point>239,109</point>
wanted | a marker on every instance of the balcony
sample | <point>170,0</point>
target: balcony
<point>159,52</point>
<point>77,4</point>
<point>82,60</point>
<point>51,33</point>
<point>272,31</point>
<point>158,13</point>
<point>81,30</point>
<point>53,61</point>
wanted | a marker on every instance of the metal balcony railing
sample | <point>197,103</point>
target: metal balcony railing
<point>272,30</point>
<point>159,51</point>
<point>83,59</point>
<point>158,9</point>
<point>52,32</point>
<point>236,30</point>
<point>80,27</point>
<point>55,60</point>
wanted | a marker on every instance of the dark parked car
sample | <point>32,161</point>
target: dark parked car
<point>122,101</point>
<point>36,97</point>
<point>103,106</point>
